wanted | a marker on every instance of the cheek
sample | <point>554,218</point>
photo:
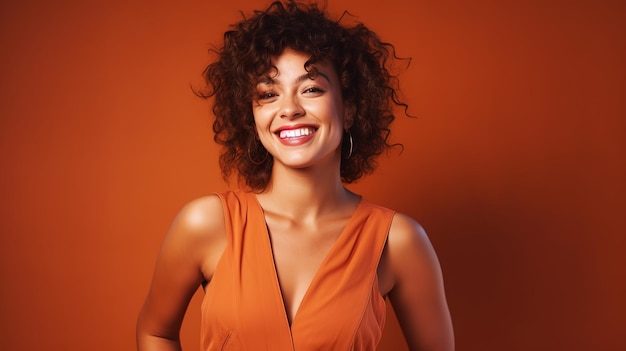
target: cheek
<point>338,108</point>
<point>263,114</point>
<point>262,125</point>
<point>339,113</point>
<point>259,119</point>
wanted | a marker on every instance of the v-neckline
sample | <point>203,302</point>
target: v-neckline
<point>329,254</point>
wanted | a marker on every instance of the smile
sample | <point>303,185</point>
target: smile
<point>295,133</point>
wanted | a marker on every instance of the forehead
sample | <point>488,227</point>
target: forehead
<point>293,64</point>
<point>291,56</point>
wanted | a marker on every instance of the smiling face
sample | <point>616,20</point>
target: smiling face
<point>299,114</point>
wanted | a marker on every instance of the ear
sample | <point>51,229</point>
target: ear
<point>349,111</point>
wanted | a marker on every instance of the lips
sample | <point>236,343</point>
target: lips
<point>296,135</point>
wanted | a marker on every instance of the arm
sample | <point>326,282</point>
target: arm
<point>188,256</point>
<point>418,296</point>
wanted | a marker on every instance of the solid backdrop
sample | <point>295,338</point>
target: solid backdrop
<point>514,162</point>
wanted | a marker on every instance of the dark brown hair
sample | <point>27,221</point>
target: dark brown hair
<point>359,57</point>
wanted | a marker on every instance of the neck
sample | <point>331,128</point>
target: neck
<point>305,193</point>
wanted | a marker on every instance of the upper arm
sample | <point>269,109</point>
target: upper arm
<point>418,296</point>
<point>195,241</point>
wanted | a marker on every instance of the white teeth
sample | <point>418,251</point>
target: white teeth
<point>294,133</point>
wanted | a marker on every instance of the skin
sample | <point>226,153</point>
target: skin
<point>306,206</point>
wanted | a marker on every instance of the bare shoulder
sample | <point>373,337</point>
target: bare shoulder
<point>410,253</point>
<point>201,218</point>
<point>405,229</point>
<point>407,238</point>
<point>198,234</point>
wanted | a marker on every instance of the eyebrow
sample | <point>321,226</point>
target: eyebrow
<point>300,79</point>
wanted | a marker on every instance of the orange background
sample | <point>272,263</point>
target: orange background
<point>515,163</point>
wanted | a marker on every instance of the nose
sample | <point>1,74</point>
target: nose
<point>291,108</point>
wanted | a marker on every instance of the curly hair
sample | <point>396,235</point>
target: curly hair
<point>360,58</point>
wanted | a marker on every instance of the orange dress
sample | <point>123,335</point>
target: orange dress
<point>342,309</point>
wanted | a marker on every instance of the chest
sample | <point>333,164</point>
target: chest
<point>298,253</point>
<point>279,287</point>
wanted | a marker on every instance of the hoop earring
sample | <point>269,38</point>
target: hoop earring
<point>351,145</point>
<point>253,161</point>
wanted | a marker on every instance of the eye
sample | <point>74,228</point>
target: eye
<point>313,90</point>
<point>266,95</point>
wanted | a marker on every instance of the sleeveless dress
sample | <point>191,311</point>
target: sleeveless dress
<point>342,308</point>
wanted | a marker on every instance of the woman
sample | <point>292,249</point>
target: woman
<point>296,261</point>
